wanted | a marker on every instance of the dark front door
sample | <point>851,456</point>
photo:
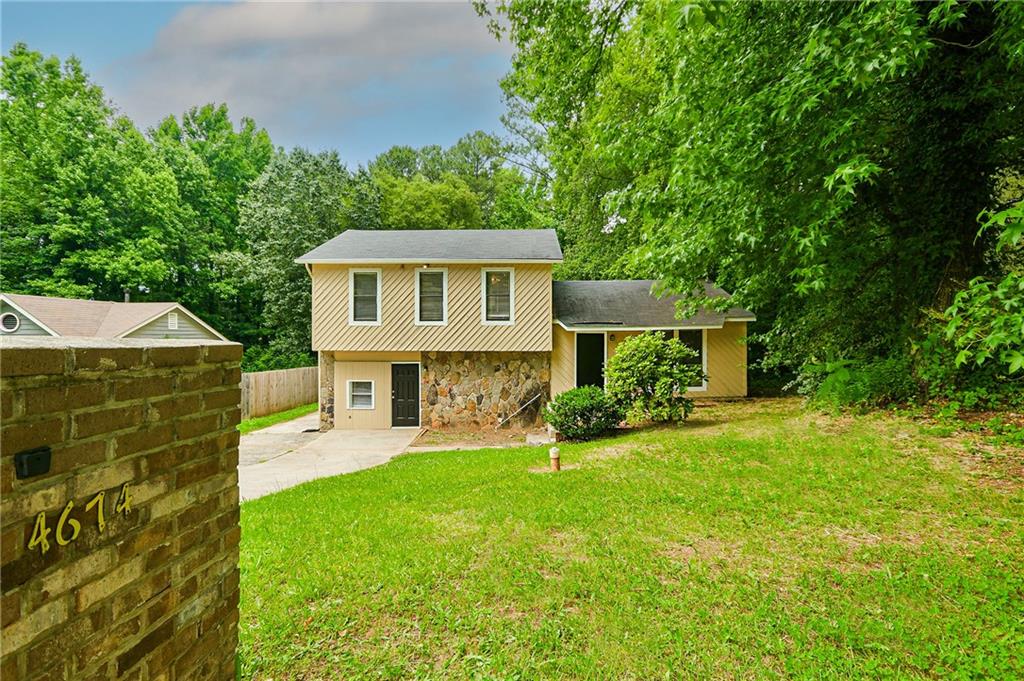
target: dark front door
<point>589,359</point>
<point>405,394</point>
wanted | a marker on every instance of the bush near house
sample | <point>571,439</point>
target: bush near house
<point>648,375</point>
<point>582,413</point>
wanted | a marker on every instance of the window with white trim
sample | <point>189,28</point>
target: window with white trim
<point>432,296</point>
<point>172,320</point>
<point>364,296</point>
<point>498,290</point>
<point>360,394</point>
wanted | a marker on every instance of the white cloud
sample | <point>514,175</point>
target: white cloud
<point>310,68</point>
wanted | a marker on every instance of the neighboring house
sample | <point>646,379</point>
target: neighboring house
<point>466,327</point>
<point>24,315</point>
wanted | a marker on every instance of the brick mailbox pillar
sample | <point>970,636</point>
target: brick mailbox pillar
<point>120,543</point>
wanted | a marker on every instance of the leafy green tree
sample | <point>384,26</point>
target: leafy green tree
<point>825,161</point>
<point>418,203</point>
<point>88,209</point>
<point>295,205</point>
<point>214,164</point>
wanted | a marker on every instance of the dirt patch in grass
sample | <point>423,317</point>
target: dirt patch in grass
<point>999,467</point>
<point>616,451</point>
<point>707,550</point>
<point>547,469</point>
<point>565,545</point>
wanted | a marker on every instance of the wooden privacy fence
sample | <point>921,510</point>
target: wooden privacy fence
<point>268,392</point>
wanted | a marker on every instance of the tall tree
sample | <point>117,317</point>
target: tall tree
<point>298,202</point>
<point>827,161</point>
<point>88,208</point>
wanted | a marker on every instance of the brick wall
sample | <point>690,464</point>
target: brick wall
<point>154,594</point>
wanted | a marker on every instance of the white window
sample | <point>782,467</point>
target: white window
<point>172,320</point>
<point>432,297</point>
<point>360,394</point>
<point>364,297</point>
<point>498,296</point>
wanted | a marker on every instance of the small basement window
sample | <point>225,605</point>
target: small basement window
<point>172,320</point>
<point>9,322</point>
<point>360,394</point>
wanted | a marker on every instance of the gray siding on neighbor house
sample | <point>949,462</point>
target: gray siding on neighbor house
<point>158,329</point>
<point>27,328</point>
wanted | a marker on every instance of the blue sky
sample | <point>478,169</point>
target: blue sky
<point>356,77</point>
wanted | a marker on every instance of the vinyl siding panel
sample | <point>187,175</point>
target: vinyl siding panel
<point>464,332</point>
<point>726,350</point>
<point>356,419</point>
<point>187,329</point>
<point>27,326</point>
<point>563,358</point>
<point>727,361</point>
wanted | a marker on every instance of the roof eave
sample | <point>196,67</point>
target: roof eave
<point>416,261</point>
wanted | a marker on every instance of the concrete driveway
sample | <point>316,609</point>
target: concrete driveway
<point>302,457</point>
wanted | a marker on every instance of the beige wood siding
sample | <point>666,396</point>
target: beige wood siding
<point>563,357</point>
<point>726,351</point>
<point>620,336</point>
<point>464,332</point>
<point>727,361</point>
<point>368,366</point>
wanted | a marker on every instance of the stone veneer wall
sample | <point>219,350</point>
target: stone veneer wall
<point>152,591</point>
<point>475,389</point>
<point>325,361</point>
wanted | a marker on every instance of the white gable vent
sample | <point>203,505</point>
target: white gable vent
<point>9,322</point>
<point>172,320</point>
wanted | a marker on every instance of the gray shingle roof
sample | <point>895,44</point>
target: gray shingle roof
<point>630,304</point>
<point>438,245</point>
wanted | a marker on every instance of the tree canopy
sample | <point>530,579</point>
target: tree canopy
<point>827,162</point>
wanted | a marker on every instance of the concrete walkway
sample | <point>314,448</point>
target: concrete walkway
<point>271,442</point>
<point>326,454</point>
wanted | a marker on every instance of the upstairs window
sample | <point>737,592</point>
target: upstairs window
<point>432,296</point>
<point>498,289</point>
<point>364,297</point>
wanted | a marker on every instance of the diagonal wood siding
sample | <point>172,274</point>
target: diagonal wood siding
<point>464,331</point>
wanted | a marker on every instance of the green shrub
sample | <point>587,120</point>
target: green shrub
<point>970,385</point>
<point>648,375</point>
<point>582,413</point>
<point>866,383</point>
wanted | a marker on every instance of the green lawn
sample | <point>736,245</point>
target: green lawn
<point>249,425</point>
<point>757,541</point>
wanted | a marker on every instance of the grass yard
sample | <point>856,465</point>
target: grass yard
<point>249,425</point>
<point>757,541</point>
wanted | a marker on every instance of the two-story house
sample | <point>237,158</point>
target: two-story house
<point>464,328</point>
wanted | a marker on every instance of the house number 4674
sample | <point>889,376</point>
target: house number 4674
<point>68,528</point>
